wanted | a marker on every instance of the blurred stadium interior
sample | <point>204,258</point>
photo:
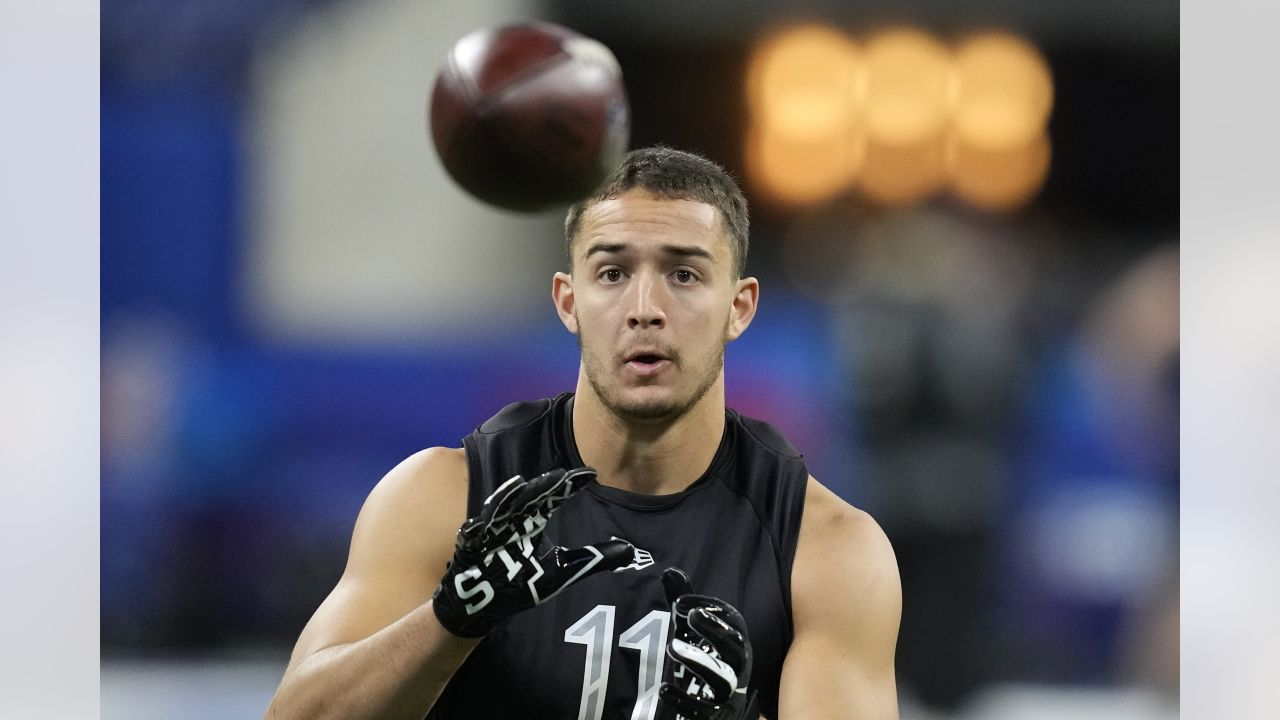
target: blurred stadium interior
<point>295,297</point>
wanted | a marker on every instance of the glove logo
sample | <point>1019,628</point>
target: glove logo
<point>466,593</point>
<point>710,677</point>
<point>640,560</point>
<point>502,562</point>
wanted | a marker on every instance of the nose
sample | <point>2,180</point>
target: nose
<point>645,304</point>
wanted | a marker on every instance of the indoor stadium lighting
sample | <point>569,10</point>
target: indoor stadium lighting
<point>1004,92</point>
<point>909,87</point>
<point>802,171</point>
<point>803,82</point>
<point>898,118</point>
<point>998,179</point>
<point>802,89</point>
<point>903,174</point>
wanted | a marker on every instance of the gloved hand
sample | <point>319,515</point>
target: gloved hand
<point>711,657</point>
<point>502,564</point>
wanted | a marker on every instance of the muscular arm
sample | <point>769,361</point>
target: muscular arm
<point>846,605</point>
<point>374,648</point>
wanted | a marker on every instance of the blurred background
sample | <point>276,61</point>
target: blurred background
<point>965,222</point>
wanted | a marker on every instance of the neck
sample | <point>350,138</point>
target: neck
<point>653,458</point>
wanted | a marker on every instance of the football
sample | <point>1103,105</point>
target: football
<point>529,116</point>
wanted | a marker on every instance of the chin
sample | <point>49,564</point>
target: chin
<point>650,411</point>
<point>646,404</point>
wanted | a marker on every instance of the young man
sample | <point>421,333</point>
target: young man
<point>686,564</point>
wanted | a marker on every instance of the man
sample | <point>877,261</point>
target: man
<point>686,564</point>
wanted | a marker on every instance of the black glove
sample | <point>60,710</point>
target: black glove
<point>502,564</point>
<point>711,657</point>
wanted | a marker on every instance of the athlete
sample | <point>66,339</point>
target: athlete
<point>632,550</point>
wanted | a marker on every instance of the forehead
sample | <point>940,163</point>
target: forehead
<point>639,218</point>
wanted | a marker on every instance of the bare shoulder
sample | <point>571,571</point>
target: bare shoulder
<point>828,518</point>
<point>402,540</point>
<point>430,484</point>
<point>846,602</point>
<point>411,516</point>
<point>436,469</point>
<point>844,558</point>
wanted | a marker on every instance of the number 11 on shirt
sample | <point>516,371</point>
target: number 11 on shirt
<point>649,636</point>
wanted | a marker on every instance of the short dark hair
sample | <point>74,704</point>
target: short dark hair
<point>674,175</point>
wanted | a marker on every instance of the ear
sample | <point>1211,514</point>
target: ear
<point>744,307</point>
<point>562,296</point>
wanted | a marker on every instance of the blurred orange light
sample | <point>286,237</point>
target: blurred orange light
<point>802,82</point>
<point>902,114</point>
<point>998,179</point>
<point>1004,93</point>
<point>801,171</point>
<point>901,174</point>
<point>909,87</point>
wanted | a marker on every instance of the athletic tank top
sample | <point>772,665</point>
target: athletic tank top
<point>597,650</point>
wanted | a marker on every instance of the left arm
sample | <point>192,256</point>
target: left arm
<point>846,606</point>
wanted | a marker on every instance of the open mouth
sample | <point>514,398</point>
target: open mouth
<point>646,363</point>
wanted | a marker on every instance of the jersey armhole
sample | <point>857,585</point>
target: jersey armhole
<point>785,560</point>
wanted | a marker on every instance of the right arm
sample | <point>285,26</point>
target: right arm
<point>374,648</point>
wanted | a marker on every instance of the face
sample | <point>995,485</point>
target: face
<point>653,301</point>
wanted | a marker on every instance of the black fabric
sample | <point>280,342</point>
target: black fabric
<point>733,531</point>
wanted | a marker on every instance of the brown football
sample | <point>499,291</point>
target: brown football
<point>530,116</point>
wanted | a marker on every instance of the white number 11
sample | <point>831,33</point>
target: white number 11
<point>649,636</point>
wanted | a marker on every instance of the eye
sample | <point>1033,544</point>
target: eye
<point>684,277</point>
<point>610,275</point>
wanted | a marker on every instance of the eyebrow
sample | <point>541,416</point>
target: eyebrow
<point>604,248</point>
<point>677,250</point>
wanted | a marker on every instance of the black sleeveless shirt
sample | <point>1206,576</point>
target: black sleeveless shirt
<point>597,651</point>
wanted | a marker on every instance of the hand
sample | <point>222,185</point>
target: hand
<point>502,564</point>
<point>711,655</point>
